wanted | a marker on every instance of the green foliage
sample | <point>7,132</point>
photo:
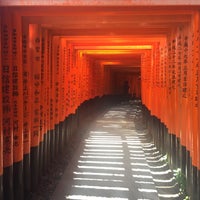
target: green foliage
<point>164,158</point>
<point>187,198</point>
<point>181,180</point>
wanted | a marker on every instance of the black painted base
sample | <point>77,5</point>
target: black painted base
<point>41,158</point>
<point>183,159</point>
<point>48,147</point>
<point>45,153</point>
<point>198,184</point>
<point>178,153</point>
<point>66,131</point>
<point>8,183</point>
<point>18,181</point>
<point>173,150</point>
<point>57,138</point>
<point>188,172</point>
<point>27,175</point>
<point>61,138</point>
<point>194,193</point>
<point>52,145</point>
<point>34,168</point>
<point>1,187</point>
<point>70,125</point>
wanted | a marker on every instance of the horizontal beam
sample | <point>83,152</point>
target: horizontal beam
<point>98,3</point>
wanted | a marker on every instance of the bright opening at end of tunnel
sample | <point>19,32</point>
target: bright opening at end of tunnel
<point>117,47</point>
<point>115,50</point>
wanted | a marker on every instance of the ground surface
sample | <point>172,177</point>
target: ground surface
<point>115,160</point>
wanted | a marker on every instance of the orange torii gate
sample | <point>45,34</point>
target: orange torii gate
<point>51,64</point>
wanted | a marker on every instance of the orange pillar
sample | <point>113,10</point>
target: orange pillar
<point>63,80</point>
<point>63,86</point>
<point>7,100</point>
<point>56,86</point>
<point>66,77</point>
<point>52,99</point>
<point>43,104</point>
<point>26,107</point>
<point>1,128</point>
<point>35,62</point>
<point>47,62</point>
<point>184,90</point>
<point>198,122</point>
<point>17,106</point>
<point>195,102</point>
<point>46,86</point>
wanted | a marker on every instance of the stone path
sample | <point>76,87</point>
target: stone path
<point>117,161</point>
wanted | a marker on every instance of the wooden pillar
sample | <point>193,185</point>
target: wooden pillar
<point>17,106</point>
<point>35,62</point>
<point>198,122</point>
<point>63,86</point>
<point>1,125</point>
<point>52,101</point>
<point>195,150</point>
<point>45,123</point>
<point>26,108</point>
<point>7,100</point>
<point>48,92</point>
<point>56,84</point>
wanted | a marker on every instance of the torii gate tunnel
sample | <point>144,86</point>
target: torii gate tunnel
<point>60,59</point>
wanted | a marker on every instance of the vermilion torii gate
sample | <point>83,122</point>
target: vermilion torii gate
<point>56,55</point>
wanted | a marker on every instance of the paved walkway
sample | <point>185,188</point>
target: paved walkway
<point>116,160</point>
